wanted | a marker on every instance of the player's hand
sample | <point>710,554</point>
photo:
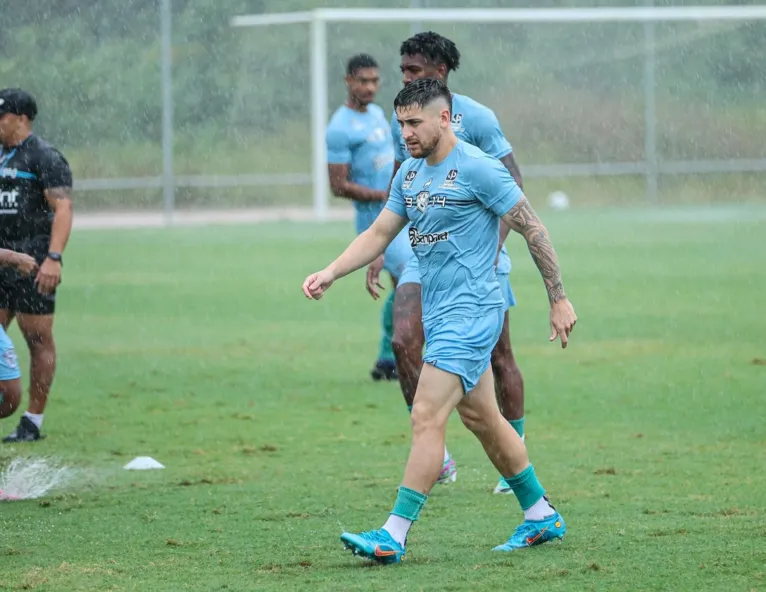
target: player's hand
<point>317,284</point>
<point>48,276</point>
<point>25,264</point>
<point>563,319</point>
<point>373,277</point>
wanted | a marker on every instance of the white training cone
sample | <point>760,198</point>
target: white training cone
<point>141,463</point>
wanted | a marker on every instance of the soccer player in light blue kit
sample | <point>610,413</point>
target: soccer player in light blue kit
<point>454,196</point>
<point>430,55</point>
<point>360,164</point>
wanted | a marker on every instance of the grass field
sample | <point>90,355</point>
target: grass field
<point>196,347</point>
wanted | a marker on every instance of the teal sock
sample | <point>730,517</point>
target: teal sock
<point>387,329</point>
<point>518,425</point>
<point>409,503</point>
<point>526,487</point>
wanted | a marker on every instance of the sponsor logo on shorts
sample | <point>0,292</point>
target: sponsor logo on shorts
<point>427,239</point>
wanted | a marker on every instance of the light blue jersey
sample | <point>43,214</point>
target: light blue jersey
<point>364,142</point>
<point>454,209</point>
<point>9,364</point>
<point>476,124</point>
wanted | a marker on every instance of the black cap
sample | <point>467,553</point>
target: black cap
<point>18,102</point>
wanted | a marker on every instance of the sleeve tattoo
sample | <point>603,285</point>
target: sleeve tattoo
<point>523,219</point>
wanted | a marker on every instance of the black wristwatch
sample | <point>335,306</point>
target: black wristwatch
<point>53,256</point>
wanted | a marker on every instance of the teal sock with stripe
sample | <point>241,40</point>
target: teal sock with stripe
<point>518,425</point>
<point>526,487</point>
<point>409,503</point>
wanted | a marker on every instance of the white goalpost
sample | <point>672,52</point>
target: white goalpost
<point>648,15</point>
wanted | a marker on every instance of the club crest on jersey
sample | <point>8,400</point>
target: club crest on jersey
<point>421,200</point>
<point>457,122</point>
<point>408,179</point>
<point>449,181</point>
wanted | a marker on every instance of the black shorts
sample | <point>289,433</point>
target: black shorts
<point>19,294</point>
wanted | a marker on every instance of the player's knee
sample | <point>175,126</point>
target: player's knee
<point>424,419</point>
<point>40,340</point>
<point>474,419</point>
<point>406,343</point>
<point>10,397</point>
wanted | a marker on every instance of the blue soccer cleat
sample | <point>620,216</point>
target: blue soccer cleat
<point>535,532</point>
<point>377,545</point>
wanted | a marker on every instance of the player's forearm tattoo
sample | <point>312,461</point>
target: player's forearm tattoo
<point>523,219</point>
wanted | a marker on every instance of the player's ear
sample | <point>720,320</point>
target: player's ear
<point>446,118</point>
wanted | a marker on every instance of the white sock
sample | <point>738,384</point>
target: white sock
<point>398,528</point>
<point>36,418</point>
<point>541,509</point>
<point>446,455</point>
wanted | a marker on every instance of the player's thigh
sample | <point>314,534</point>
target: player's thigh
<point>438,393</point>
<point>6,316</point>
<point>503,351</point>
<point>37,329</point>
<point>408,315</point>
<point>479,407</point>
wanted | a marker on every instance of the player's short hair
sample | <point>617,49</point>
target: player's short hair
<point>422,93</point>
<point>433,47</point>
<point>359,61</point>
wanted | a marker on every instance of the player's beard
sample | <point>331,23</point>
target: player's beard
<point>425,149</point>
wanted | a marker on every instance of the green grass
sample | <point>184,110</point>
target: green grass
<point>195,346</point>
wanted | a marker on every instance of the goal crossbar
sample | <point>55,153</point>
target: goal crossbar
<point>640,14</point>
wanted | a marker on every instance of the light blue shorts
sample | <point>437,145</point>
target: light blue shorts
<point>411,275</point>
<point>9,364</point>
<point>398,253</point>
<point>463,346</point>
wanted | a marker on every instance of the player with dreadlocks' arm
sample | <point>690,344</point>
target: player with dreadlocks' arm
<point>430,55</point>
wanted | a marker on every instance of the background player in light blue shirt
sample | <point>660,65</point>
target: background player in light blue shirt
<point>360,164</point>
<point>430,55</point>
<point>454,194</point>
